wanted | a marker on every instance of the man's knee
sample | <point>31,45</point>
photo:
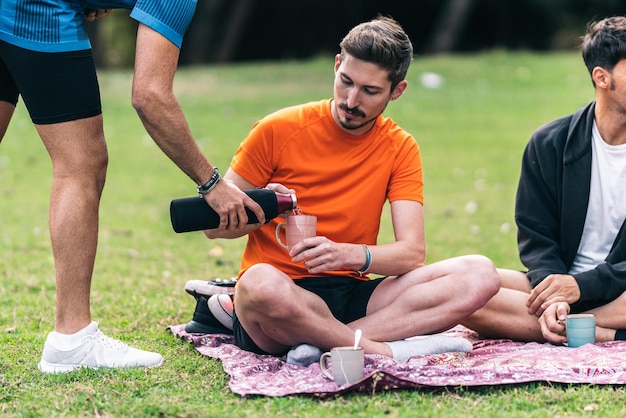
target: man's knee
<point>262,283</point>
<point>482,281</point>
<point>265,293</point>
<point>483,269</point>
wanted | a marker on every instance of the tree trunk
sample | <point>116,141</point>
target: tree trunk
<point>235,28</point>
<point>449,26</point>
<point>201,38</point>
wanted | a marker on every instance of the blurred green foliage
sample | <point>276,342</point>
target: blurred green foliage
<point>253,30</point>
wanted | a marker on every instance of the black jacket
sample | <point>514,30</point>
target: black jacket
<point>551,205</point>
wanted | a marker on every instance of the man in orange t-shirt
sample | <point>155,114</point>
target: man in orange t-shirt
<point>344,160</point>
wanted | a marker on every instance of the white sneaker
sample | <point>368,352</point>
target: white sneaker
<point>221,306</point>
<point>93,351</point>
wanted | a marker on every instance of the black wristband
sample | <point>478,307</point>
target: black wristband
<point>209,185</point>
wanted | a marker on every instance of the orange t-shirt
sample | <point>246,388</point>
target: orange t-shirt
<point>342,179</point>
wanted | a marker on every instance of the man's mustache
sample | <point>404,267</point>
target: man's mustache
<point>354,111</point>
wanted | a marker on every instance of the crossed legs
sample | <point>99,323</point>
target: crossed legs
<point>506,314</point>
<point>278,314</point>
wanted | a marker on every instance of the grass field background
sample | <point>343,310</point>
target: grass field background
<point>471,132</point>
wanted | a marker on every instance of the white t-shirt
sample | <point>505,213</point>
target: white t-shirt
<point>607,203</point>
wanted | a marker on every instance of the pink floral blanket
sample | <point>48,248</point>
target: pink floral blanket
<point>492,362</point>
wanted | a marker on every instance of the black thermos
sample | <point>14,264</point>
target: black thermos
<point>194,214</point>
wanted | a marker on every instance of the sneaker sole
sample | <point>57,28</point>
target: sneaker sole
<point>195,327</point>
<point>53,368</point>
<point>208,288</point>
<point>219,311</point>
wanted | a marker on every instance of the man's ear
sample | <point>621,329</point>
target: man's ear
<point>601,77</point>
<point>399,90</point>
<point>337,62</point>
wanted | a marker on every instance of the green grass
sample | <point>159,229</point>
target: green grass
<point>471,132</point>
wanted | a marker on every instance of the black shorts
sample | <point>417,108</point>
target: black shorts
<point>56,87</point>
<point>346,298</point>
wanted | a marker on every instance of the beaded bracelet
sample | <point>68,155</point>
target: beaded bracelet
<point>368,261</point>
<point>209,185</point>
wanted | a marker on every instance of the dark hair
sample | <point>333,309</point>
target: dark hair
<point>381,41</point>
<point>604,44</point>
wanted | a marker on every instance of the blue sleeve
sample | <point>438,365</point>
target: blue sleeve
<point>170,18</point>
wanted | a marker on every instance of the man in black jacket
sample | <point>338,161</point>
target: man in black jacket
<point>570,212</point>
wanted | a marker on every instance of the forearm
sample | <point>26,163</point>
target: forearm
<point>394,258</point>
<point>408,251</point>
<point>164,121</point>
<point>231,234</point>
<point>153,97</point>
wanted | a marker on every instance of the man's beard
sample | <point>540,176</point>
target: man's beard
<point>350,125</point>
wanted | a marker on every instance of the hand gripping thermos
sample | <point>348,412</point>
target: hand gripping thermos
<point>194,214</point>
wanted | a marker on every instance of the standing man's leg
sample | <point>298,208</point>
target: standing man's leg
<point>79,161</point>
<point>61,93</point>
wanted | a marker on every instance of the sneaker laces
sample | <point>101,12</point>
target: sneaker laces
<point>109,342</point>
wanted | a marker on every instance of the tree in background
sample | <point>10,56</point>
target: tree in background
<point>252,30</point>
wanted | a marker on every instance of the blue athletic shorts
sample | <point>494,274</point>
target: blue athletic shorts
<point>346,298</point>
<point>56,87</point>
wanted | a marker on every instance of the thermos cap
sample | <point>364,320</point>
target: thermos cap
<point>286,202</point>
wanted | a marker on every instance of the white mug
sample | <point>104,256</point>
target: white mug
<point>346,362</point>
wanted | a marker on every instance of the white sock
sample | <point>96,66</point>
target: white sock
<point>70,340</point>
<point>435,344</point>
<point>304,355</point>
